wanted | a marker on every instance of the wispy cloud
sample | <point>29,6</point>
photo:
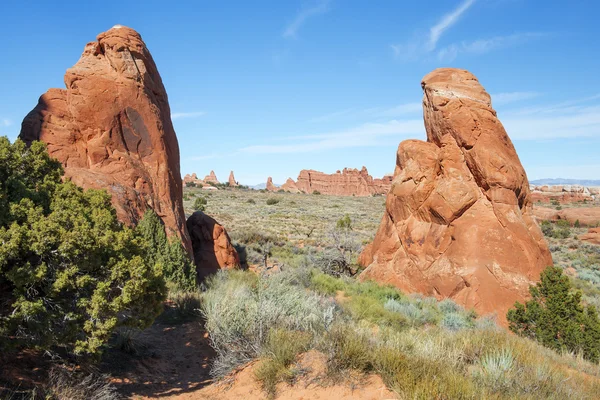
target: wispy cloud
<point>512,97</point>
<point>366,135</point>
<point>321,7</point>
<point>6,122</point>
<point>419,46</point>
<point>374,112</point>
<point>482,46</point>
<point>195,114</point>
<point>436,31</point>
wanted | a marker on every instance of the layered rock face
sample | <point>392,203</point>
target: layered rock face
<point>232,181</point>
<point>290,186</point>
<point>592,236</point>
<point>270,186</point>
<point>348,182</point>
<point>212,247</point>
<point>458,221</point>
<point>193,178</point>
<point>111,129</point>
<point>211,178</point>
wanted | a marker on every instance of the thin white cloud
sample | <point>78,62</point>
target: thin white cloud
<point>436,31</point>
<point>366,135</point>
<point>512,97</point>
<point>6,122</point>
<point>321,7</point>
<point>195,114</point>
<point>375,112</point>
<point>482,46</point>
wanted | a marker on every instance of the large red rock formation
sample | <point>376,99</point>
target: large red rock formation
<point>290,186</point>
<point>212,247</point>
<point>349,182</point>
<point>270,186</point>
<point>232,181</point>
<point>111,129</point>
<point>458,221</point>
<point>211,178</point>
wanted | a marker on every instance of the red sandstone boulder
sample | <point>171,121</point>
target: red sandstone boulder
<point>232,181</point>
<point>270,186</point>
<point>111,129</point>
<point>458,221</point>
<point>349,182</point>
<point>592,236</point>
<point>211,178</point>
<point>290,186</point>
<point>212,247</point>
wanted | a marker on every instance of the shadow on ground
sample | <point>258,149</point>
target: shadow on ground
<point>174,360</point>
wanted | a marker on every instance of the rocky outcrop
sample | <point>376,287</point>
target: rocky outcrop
<point>587,216</point>
<point>232,182</point>
<point>348,182</point>
<point>564,193</point>
<point>458,221</point>
<point>592,236</point>
<point>212,247</point>
<point>192,179</point>
<point>111,129</point>
<point>270,186</point>
<point>211,178</point>
<point>290,186</point>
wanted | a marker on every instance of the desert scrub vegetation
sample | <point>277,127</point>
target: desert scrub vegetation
<point>70,273</point>
<point>422,348</point>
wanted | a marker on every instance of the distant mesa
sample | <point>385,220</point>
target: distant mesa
<point>564,193</point>
<point>458,221</point>
<point>348,182</point>
<point>111,129</point>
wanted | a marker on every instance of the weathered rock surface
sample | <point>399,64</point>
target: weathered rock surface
<point>458,221</point>
<point>270,186</point>
<point>212,247</point>
<point>211,178</point>
<point>592,236</point>
<point>587,216</point>
<point>111,129</point>
<point>348,182</point>
<point>231,180</point>
<point>290,186</point>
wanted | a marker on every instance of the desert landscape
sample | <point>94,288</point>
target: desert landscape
<point>124,276</point>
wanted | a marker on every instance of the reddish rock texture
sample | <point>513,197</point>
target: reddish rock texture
<point>211,178</point>
<point>212,247</point>
<point>587,216</point>
<point>111,129</point>
<point>290,186</point>
<point>232,181</point>
<point>270,186</point>
<point>592,236</point>
<point>458,221</point>
<point>349,182</point>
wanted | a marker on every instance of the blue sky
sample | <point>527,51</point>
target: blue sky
<point>267,88</point>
